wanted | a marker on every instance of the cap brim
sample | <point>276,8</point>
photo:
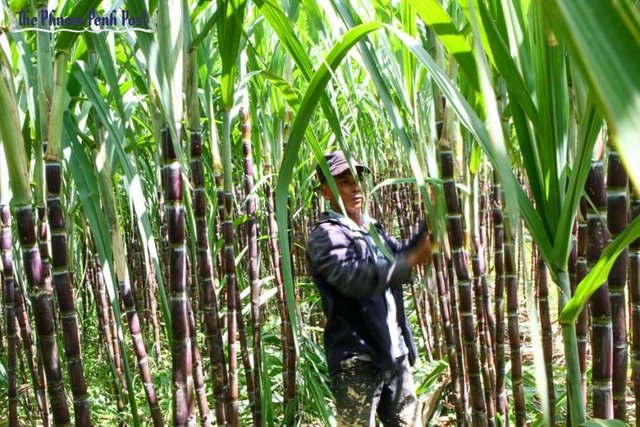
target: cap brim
<point>339,170</point>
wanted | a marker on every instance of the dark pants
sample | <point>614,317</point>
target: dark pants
<point>361,390</point>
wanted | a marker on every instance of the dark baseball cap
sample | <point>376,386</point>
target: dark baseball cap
<point>338,164</point>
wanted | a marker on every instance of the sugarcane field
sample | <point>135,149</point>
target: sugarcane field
<point>319,213</point>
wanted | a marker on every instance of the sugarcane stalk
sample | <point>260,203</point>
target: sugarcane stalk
<point>601,327</point>
<point>9,312</point>
<point>498,265</point>
<point>209,301</point>
<point>455,320</point>
<point>582,269</point>
<point>542,296</point>
<point>102,311</point>
<point>229,269</point>
<point>617,212</point>
<point>182,360</point>
<point>254,278</point>
<point>479,284</point>
<point>206,417</point>
<point>511,276</point>
<point>424,303</point>
<point>19,180</point>
<point>285,325</point>
<point>457,377</point>
<point>634,296</point>
<point>483,259</point>
<point>459,257</point>
<point>64,293</point>
<point>37,379</point>
<point>289,360</point>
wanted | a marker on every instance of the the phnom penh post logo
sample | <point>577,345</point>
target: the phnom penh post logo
<point>51,20</point>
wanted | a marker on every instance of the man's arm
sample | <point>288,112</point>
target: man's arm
<point>417,247</point>
<point>350,267</point>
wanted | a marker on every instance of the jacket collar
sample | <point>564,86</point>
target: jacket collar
<point>367,221</point>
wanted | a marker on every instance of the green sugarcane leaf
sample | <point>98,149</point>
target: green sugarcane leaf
<point>590,125</point>
<point>287,36</point>
<point>410,27</point>
<point>507,67</point>
<point>171,55</point>
<point>470,120</point>
<point>10,131</point>
<point>436,17</point>
<point>230,28</point>
<point>207,27</point>
<point>598,274</point>
<point>604,40</point>
<point>298,129</point>
<point>66,39</point>
<point>385,90</point>
<point>136,193</point>
<point>476,158</point>
<point>277,18</point>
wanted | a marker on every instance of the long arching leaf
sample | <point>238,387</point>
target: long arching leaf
<point>309,102</point>
<point>598,274</point>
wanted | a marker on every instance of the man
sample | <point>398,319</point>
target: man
<point>368,343</point>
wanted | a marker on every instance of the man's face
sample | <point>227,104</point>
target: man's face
<point>350,193</point>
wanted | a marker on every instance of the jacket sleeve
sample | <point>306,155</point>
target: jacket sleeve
<point>398,247</point>
<point>348,266</point>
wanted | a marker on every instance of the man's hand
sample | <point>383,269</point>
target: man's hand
<point>421,252</point>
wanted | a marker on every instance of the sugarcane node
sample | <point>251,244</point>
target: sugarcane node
<point>53,176</point>
<point>199,202</point>
<point>173,183</point>
<point>181,413</point>
<point>228,200</point>
<point>69,339</point>
<point>134,321</point>
<point>58,251</point>
<point>177,270</point>
<point>48,155</point>
<point>244,115</point>
<point>45,326</point>
<point>59,405</point>
<point>457,233</point>
<point>56,215</point>
<point>179,325</point>
<point>616,173</point>
<point>617,213</point>
<point>168,151</point>
<point>197,175</point>
<point>175,224</point>
<point>26,226</point>
<point>82,411</point>
<point>229,262</point>
<point>182,353</point>
<point>248,167</point>
<point>9,290</point>
<point>201,235</point>
<point>5,216</point>
<point>64,293</point>
<point>596,192</point>
<point>446,164</point>
<point>208,294</point>
<point>451,197</point>
<point>227,231</point>
<point>196,144</point>
<point>32,266</point>
<point>5,239</point>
